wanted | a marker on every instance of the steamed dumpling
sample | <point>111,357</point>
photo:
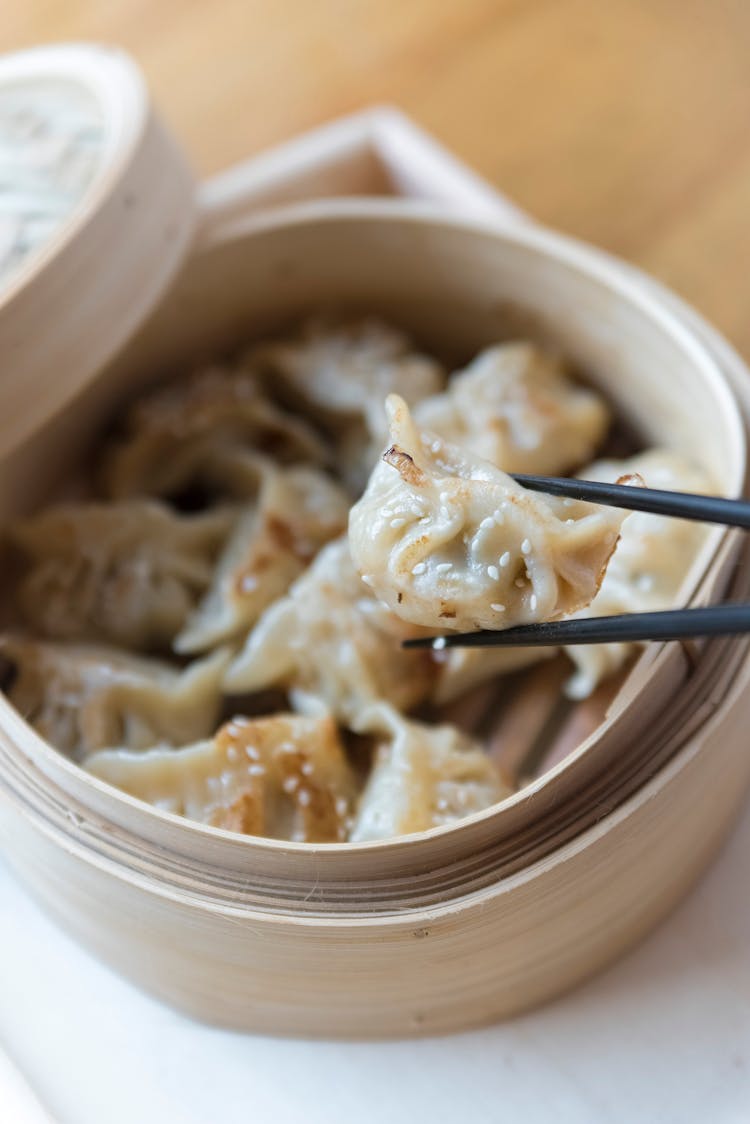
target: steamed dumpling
<point>449,541</point>
<point>285,777</point>
<point>128,573</point>
<point>650,564</point>
<point>171,432</point>
<point>331,638</point>
<point>422,777</point>
<point>516,407</point>
<point>85,698</point>
<point>340,372</point>
<point>297,510</point>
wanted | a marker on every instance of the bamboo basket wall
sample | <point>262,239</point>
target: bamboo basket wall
<point>461,925</point>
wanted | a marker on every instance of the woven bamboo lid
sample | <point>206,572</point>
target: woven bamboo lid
<point>96,214</point>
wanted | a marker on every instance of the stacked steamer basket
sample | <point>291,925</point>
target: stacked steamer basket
<point>458,925</point>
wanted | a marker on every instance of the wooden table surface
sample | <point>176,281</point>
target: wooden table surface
<point>626,122</point>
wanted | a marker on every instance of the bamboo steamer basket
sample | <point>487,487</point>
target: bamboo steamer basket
<point>456,926</point>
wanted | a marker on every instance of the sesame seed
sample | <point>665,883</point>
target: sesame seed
<point>248,583</point>
<point>525,546</point>
<point>436,446</point>
<point>307,768</point>
<point>256,770</point>
<point>419,569</point>
<point>304,797</point>
<point>439,643</point>
<point>252,752</point>
<point>241,720</point>
<point>493,572</point>
<point>290,784</point>
<point>396,523</point>
<point>533,602</point>
<point>232,754</point>
<point>569,522</point>
<point>367,579</point>
<point>504,559</point>
<point>341,805</point>
<point>497,607</point>
<point>498,518</point>
<point>444,567</point>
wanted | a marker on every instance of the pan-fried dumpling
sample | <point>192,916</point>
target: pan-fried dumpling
<point>126,573</point>
<point>447,540</point>
<point>85,698</point>
<point>516,407</point>
<point>172,431</point>
<point>285,777</point>
<point>330,637</point>
<point>422,777</point>
<point>340,372</point>
<point>298,510</point>
<point>650,564</point>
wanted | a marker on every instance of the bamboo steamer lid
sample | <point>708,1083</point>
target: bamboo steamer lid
<point>96,213</point>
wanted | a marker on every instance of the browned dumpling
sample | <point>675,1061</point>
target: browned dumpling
<point>331,638</point>
<point>127,573</point>
<point>296,511</point>
<point>516,407</point>
<point>340,371</point>
<point>448,540</point>
<point>285,776</point>
<point>83,698</point>
<point>422,777</point>
<point>173,432</point>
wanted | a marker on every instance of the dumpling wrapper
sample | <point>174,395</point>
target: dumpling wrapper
<point>331,638</point>
<point>650,564</point>
<point>125,573</point>
<point>285,777</point>
<point>297,511</point>
<point>422,777</point>
<point>171,432</point>
<point>449,541</point>
<point>516,407</point>
<point>84,698</point>
<point>340,371</point>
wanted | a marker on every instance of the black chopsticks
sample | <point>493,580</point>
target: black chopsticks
<point>681,505</point>
<point>672,624</point>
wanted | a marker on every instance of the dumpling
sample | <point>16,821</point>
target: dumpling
<point>128,573</point>
<point>460,669</point>
<point>285,777</point>
<point>650,564</point>
<point>516,407</point>
<point>422,777</point>
<point>298,509</point>
<point>331,638</point>
<point>340,372</point>
<point>447,540</point>
<point>85,698</point>
<point>171,432</point>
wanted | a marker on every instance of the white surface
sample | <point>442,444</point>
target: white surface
<point>663,1036</point>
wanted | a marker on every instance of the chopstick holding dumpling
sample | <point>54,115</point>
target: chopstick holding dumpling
<point>449,541</point>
